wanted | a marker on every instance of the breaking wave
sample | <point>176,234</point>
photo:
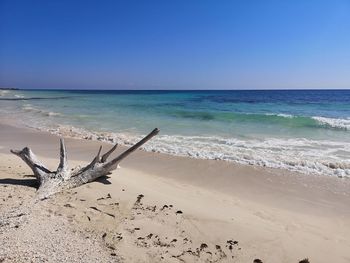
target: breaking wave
<point>287,120</point>
<point>333,123</point>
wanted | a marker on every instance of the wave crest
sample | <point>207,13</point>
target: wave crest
<point>334,123</point>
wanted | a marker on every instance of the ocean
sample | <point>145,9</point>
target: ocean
<point>307,131</point>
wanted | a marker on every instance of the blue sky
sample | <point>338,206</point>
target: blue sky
<point>175,44</point>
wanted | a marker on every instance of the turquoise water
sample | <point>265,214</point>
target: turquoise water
<point>306,131</point>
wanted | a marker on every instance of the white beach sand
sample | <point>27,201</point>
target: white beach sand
<point>160,208</point>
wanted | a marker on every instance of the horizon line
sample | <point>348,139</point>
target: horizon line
<point>87,89</point>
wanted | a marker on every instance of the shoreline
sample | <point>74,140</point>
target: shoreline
<point>249,176</point>
<point>289,141</point>
<point>276,215</point>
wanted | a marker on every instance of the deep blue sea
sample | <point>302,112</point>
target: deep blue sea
<point>300,130</point>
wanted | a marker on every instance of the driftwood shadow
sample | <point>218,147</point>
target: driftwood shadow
<point>34,183</point>
<point>23,182</point>
<point>103,180</point>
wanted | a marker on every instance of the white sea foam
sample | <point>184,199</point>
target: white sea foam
<point>300,155</point>
<point>50,113</point>
<point>327,122</point>
<point>285,115</point>
<point>280,115</point>
<point>334,123</point>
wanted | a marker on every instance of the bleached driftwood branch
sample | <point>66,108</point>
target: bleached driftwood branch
<point>51,182</point>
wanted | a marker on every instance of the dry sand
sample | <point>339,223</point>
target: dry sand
<point>160,208</point>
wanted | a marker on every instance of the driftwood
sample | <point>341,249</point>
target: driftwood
<point>51,182</point>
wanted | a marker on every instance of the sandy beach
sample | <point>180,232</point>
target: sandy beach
<point>160,208</point>
<point>174,131</point>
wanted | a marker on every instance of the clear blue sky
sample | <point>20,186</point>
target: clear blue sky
<point>175,44</point>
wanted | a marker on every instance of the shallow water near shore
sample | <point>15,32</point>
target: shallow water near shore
<point>306,131</point>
